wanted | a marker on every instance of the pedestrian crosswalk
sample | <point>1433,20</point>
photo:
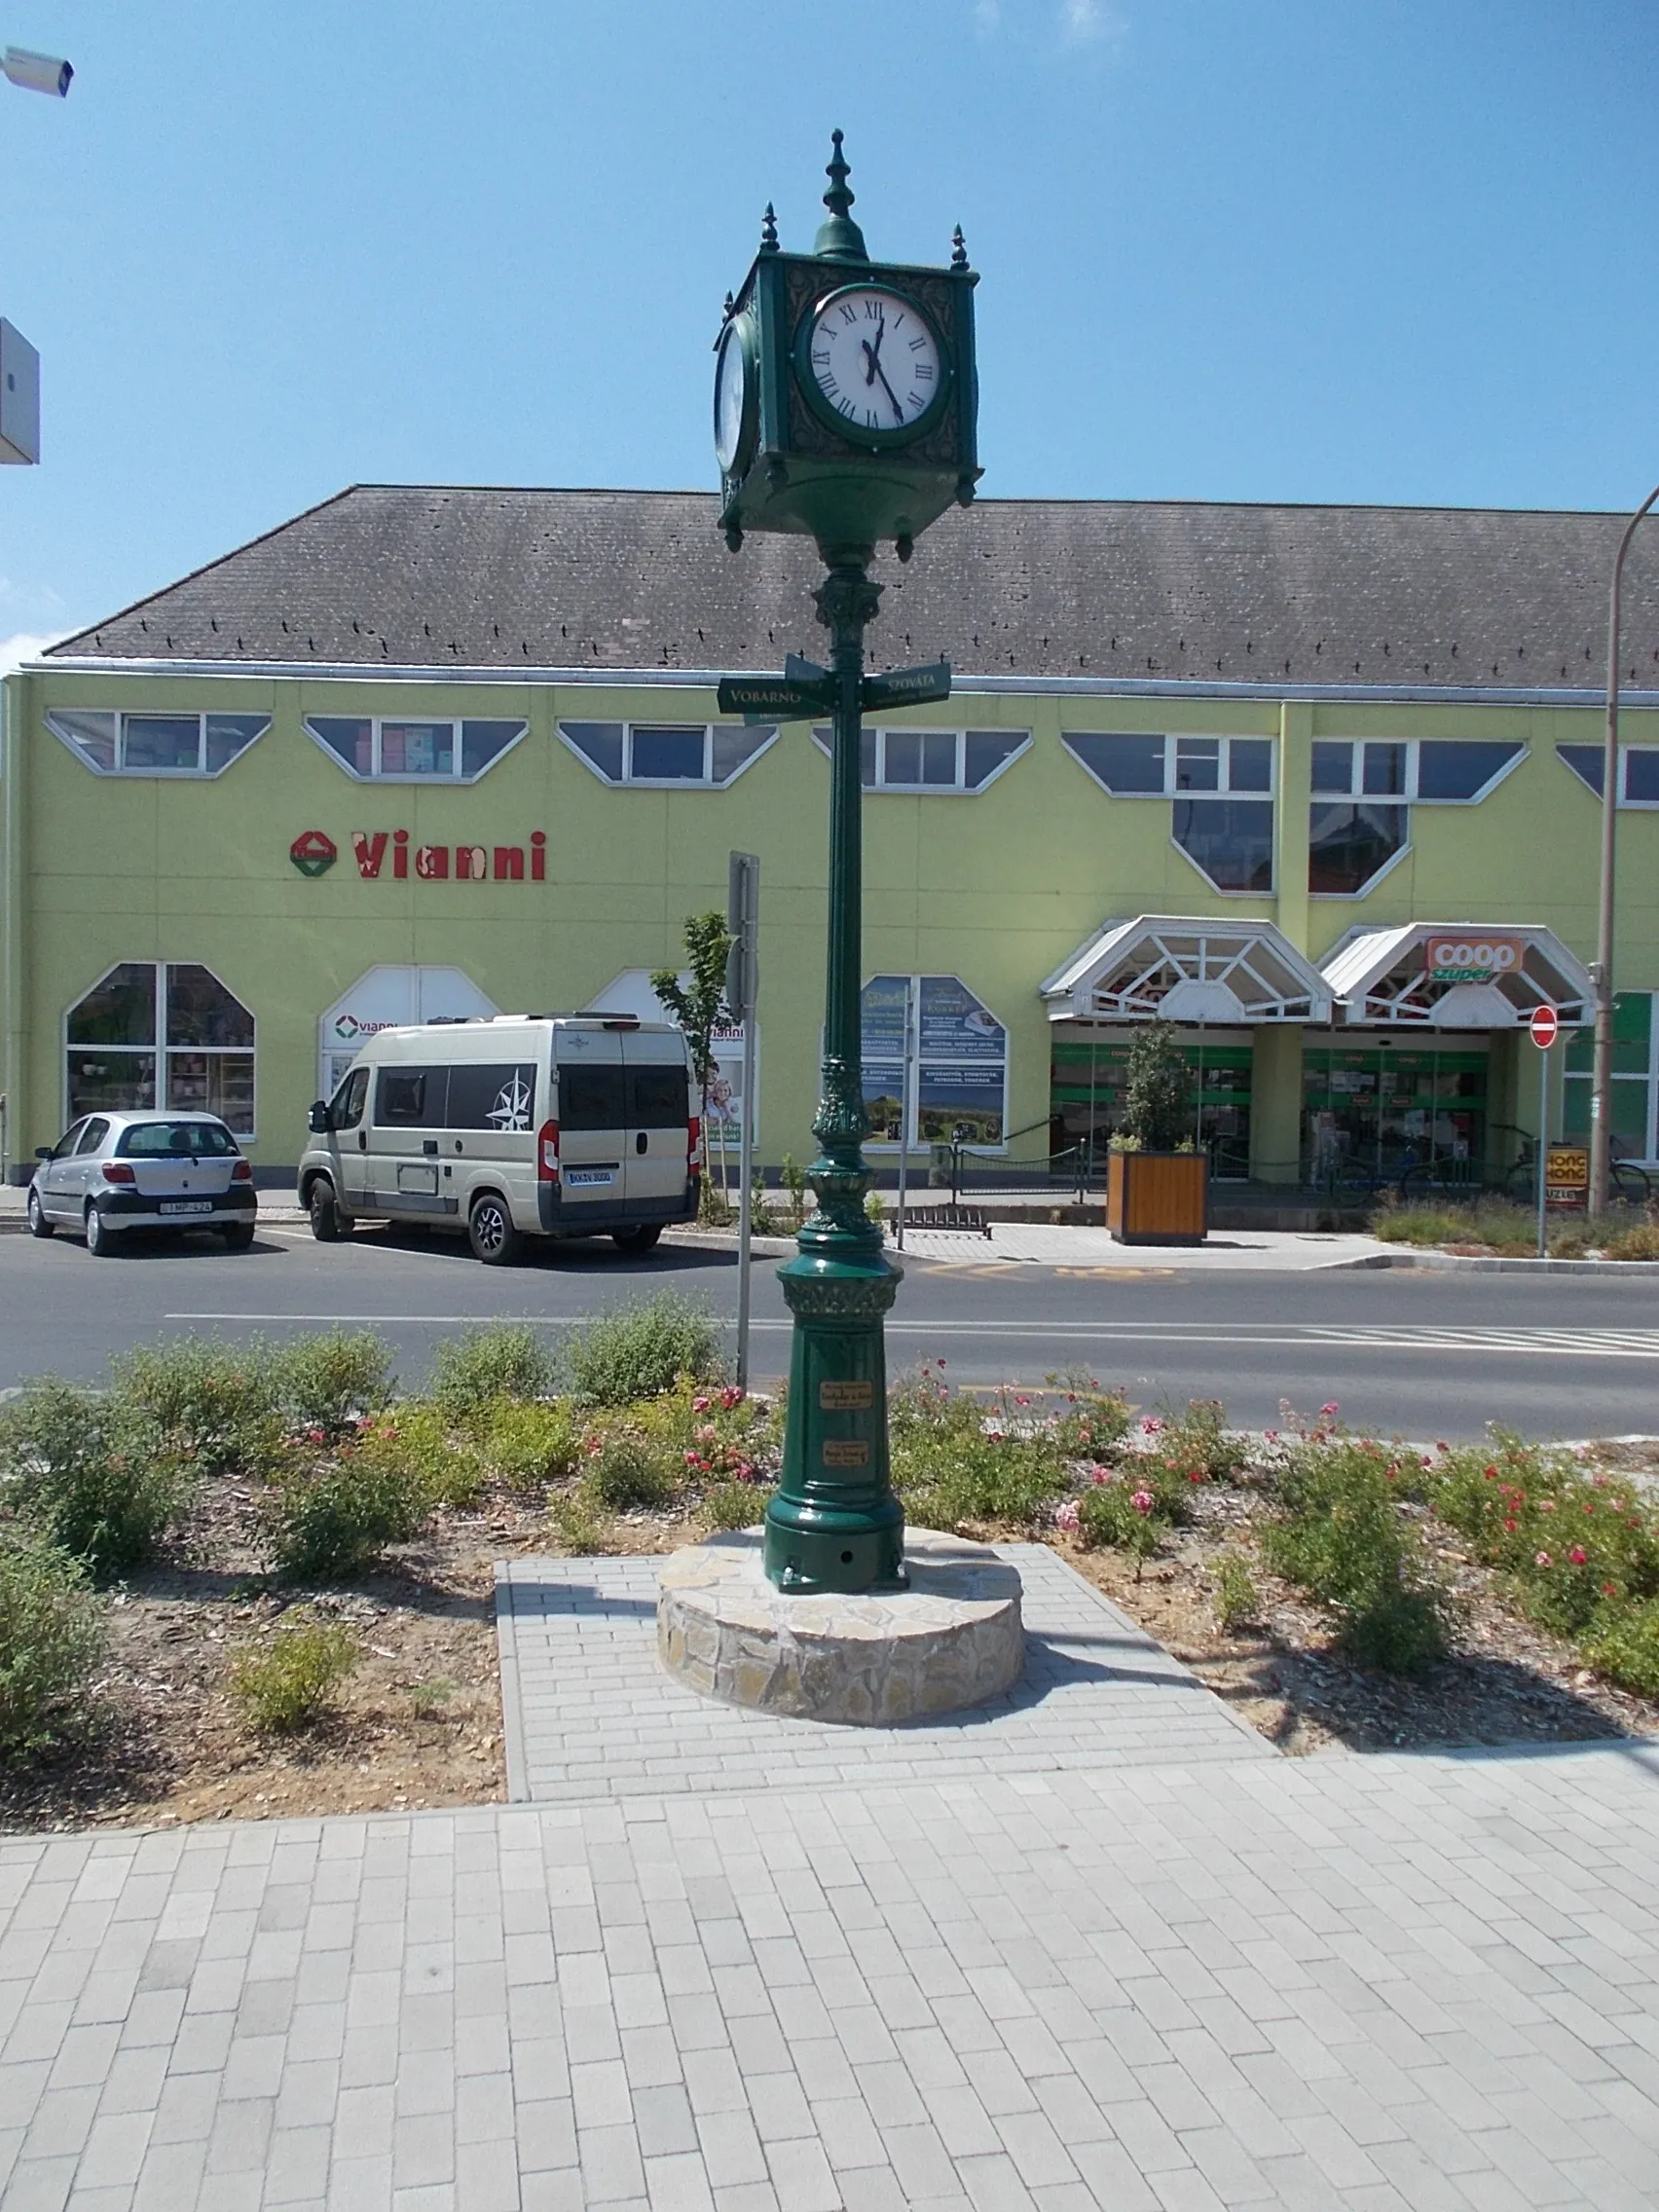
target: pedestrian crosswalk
<point>1382,1337</point>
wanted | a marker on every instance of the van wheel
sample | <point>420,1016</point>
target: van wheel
<point>39,1225</point>
<point>640,1239</point>
<point>491,1233</point>
<point>328,1225</point>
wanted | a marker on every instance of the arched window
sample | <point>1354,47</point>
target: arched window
<point>172,1016</point>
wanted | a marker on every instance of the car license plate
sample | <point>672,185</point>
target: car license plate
<point>187,1206</point>
<point>579,1176</point>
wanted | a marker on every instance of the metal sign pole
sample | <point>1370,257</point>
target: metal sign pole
<point>904,1116</point>
<point>743,917</point>
<point>1543,1141</point>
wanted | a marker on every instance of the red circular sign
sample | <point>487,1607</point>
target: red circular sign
<point>1545,1026</point>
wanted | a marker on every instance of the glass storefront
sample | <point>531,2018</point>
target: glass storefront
<point>1636,1076</point>
<point>1377,1108</point>
<point>1086,1081</point>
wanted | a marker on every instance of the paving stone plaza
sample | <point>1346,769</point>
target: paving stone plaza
<point>1097,1946</point>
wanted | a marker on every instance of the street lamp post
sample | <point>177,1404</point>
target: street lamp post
<point>845,408</point>
<point>1601,1078</point>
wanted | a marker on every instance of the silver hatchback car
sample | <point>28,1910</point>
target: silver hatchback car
<point>115,1172</point>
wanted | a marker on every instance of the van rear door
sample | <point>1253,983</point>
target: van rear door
<point>658,1126</point>
<point>591,1117</point>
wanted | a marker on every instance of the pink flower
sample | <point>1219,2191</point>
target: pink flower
<point>1443,1446</point>
<point>1151,1424</point>
<point>1542,1558</point>
<point>314,1436</point>
<point>1579,1556</point>
<point>1512,1526</point>
<point>1023,1401</point>
<point>1142,1502</point>
<point>1065,1516</point>
<point>1546,1505</point>
<point>699,1405</point>
<point>692,1459</point>
<point>1330,1410</point>
<point>941,1363</point>
<point>1101,1474</point>
<point>1609,1589</point>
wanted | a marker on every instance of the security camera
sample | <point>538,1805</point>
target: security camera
<point>37,72</point>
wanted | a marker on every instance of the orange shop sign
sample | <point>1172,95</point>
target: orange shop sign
<point>1471,956</point>
<point>392,854</point>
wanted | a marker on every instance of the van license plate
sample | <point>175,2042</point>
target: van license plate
<point>579,1178</point>
<point>187,1206</point>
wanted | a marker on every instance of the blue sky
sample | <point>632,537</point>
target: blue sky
<point>1254,250</point>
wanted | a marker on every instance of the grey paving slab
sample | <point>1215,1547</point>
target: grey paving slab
<point>589,1714</point>
<point>1328,1982</point>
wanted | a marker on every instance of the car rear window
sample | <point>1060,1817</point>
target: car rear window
<point>662,1098</point>
<point>176,1140</point>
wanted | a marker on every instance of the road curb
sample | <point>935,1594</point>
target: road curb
<point>1465,1262</point>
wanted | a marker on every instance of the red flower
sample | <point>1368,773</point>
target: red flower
<point>1579,1556</point>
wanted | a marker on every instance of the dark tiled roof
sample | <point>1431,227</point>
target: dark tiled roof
<point>1397,597</point>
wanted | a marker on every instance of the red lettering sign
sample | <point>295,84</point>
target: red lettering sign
<point>313,852</point>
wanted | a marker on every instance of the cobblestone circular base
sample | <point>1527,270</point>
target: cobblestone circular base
<point>953,1639</point>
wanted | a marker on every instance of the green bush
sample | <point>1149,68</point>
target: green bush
<point>90,1473</point>
<point>1092,1419</point>
<point>639,1349</point>
<point>291,1682</point>
<point>574,1525</point>
<point>955,1462</point>
<point>1198,1442</point>
<point>1122,1512</point>
<point>733,1505</point>
<point>215,1404</point>
<point>1238,1602</point>
<point>628,1471</point>
<point>332,1520</point>
<point>1340,1537</point>
<point>327,1382</point>
<point>50,1636</point>
<point>473,1371</point>
<point>528,1445</point>
<point>1622,1642</point>
<point>413,1442</point>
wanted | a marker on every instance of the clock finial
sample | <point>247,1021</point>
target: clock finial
<point>839,237</point>
<point>958,248</point>
<point>768,230</point>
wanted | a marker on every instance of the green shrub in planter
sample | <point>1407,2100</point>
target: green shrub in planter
<point>734,1505</point>
<point>640,1349</point>
<point>214,1403</point>
<point>954,1461</point>
<point>328,1382</point>
<point>332,1520</point>
<point>291,1681</point>
<point>413,1443</point>
<point>630,1472</point>
<point>472,1372</point>
<point>90,1473</point>
<point>528,1445</point>
<point>1340,1537</point>
<point>50,1636</point>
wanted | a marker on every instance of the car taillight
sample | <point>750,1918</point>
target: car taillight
<point>241,1172</point>
<point>118,1171</point>
<point>693,1136</point>
<point>547,1153</point>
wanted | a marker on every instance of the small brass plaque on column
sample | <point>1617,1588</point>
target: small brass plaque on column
<point>846,1452</point>
<point>846,1397</point>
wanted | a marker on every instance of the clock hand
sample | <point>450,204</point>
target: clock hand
<point>871,362</point>
<point>898,411</point>
<point>872,354</point>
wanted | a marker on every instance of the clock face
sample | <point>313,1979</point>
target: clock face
<point>872,364</point>
<point>733,412</point>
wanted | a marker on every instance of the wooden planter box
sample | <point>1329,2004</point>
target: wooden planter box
<point>1158,1198</point>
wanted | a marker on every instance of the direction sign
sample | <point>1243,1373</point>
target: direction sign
<point>774,698</point>
<point>1544,1027</point>
<point>907,686</point>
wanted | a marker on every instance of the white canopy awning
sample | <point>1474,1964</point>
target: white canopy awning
<point>1456,976</point>
<point>1189,968</point>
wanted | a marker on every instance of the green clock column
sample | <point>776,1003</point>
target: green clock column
<point>833,1521</point>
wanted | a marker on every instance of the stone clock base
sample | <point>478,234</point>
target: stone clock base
<point>953,1639</point>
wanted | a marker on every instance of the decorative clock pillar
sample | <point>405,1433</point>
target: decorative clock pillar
<point>845,403</point>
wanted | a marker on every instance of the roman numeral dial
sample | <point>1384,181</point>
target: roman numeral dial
<point>871,362</point>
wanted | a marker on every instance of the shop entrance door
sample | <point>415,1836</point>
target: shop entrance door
<point>1374,1109</point>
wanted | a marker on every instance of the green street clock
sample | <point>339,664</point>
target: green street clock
<point>845,397</point>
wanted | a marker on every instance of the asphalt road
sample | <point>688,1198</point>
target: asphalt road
<point>1419,1354</point>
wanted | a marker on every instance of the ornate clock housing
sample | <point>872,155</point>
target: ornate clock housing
<point>864,395</point>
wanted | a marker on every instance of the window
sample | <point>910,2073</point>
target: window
<point>1639,770</point>
<point>664,754</point>
<point>349,1100</point>
<point>174,1014</point>
<point>1348,847</point>
<point>412,1099</point>
<point>958,1056</point>
<point>160,1140</point>
<point>491,1096</point>
<point>1436,772</point>
<point>376,749</point>
<point>1228,839</point>
<point>1635,1101</point>
<point>155,745</point>
<point>590,1096</point>
<point>933,760</point>
<point>659,1098</point>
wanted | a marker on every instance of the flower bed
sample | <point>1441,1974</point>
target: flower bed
<point>1500,1228</point>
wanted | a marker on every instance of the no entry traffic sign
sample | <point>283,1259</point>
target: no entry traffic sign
<point>1544,1027</point>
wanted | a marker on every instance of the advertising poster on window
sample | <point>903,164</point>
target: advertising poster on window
<point>960,1071</point>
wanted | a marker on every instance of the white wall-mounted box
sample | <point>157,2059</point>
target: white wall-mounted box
<point>19,396</point>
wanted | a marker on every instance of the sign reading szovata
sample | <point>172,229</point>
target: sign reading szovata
<point>1470,956</point>
<point>906,687</point>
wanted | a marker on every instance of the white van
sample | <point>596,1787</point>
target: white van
<point>564,1124</point>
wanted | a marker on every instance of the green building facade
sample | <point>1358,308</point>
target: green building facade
<point>1320,785</point>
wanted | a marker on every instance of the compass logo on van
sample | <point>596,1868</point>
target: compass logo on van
<point>513,1101</point>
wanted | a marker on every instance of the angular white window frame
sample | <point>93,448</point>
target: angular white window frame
<point>706,781</point>
<point>57,720</point>
<point>1626,803</point>
<point>1188,967</point>
<point>912,1140</point>
<point>1172,742</point>
<point>376,723</point>
<point>161,1052</point>
<point>959,788</point>
<point>1409,797</point>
